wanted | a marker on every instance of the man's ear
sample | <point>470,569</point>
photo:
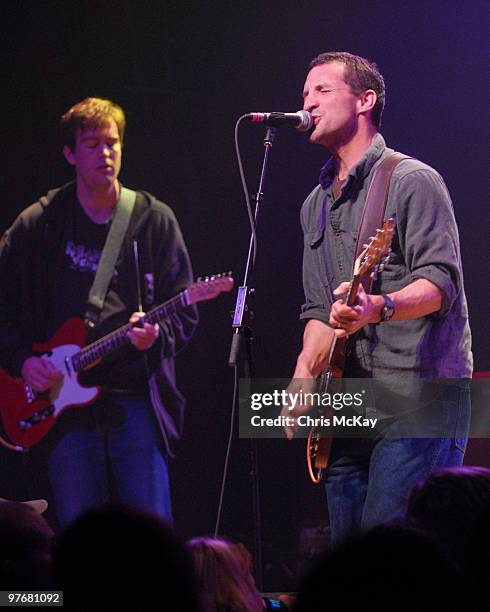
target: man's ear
<point>367,100</point>
<point>68,153</point>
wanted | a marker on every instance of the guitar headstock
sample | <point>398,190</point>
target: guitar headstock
<point>377,252</point>
<point>209,287</point>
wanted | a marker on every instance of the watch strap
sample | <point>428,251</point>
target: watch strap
<point>388,309</point>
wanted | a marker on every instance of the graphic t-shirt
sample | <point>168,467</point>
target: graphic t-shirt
<point>83,244</point>
<point>84,240</point>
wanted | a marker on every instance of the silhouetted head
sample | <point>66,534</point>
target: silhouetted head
<point>392,567</point>
<point>26,542</point>
<point>448,504</point>
<point>123,558</point>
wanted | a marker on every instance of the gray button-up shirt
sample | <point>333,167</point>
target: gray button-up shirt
<point>425,245</point>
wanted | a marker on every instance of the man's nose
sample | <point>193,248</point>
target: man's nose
<point>308,103</point>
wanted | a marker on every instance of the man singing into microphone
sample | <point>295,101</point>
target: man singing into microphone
<point>412,329</point>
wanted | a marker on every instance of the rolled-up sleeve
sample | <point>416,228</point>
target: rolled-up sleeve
<point>428,233</point>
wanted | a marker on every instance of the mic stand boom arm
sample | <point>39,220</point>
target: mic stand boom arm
<point>242,312</point>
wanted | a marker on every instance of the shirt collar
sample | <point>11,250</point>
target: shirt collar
<point>360,170</point>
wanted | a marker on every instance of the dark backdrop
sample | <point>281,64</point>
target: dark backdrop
<point>184,72</point>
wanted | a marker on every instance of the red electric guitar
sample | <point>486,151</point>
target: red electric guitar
<point>371,261</point>
<point>28,416</point>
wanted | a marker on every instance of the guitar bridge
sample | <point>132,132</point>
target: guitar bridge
<point>36,417</point>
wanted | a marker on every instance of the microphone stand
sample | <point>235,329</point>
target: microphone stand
<point>243,316</point>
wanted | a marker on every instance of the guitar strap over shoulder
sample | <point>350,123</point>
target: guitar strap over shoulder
<point>375,206</point>
<point>318,446</point>
<point>108,258</point>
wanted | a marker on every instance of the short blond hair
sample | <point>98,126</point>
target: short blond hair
<point>91,113</point>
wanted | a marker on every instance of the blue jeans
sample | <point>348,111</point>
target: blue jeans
<point>369,480</point>
<point>111,451</point>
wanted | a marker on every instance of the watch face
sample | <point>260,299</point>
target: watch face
<point>388,309</point>
<point>387,313</point>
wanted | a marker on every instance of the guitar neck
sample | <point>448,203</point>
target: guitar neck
<point>118,338</point>
<point>371,261</point>
<point>338,351</point>
<point>352,291</point>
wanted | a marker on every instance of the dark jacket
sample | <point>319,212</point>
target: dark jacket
<point>30,253</point>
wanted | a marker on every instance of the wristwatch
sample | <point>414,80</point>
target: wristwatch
<point>388,310</point>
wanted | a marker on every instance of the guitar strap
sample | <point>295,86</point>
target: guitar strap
<point>372,218</point>
<point>108,258</point>
<point>318,448</point>
<point>374,208</point>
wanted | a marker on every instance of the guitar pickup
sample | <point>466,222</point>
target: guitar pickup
<point>36,417</point>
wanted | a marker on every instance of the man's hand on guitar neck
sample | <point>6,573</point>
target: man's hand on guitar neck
<point>418,299</point>
<point>346,320</point>
<point>143,337</point>
<point>40,374</point>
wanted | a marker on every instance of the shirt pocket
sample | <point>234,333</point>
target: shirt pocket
<point>315,251</point>
<point>314,238</point>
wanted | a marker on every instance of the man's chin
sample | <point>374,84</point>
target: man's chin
<point>313,136</point>
<point>317,138</point>
<point>106,180</point>
<point>325,140</point>
<point>104,185</point>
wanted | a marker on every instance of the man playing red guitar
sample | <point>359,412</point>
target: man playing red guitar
<point>119,445</point>
<point>412,329</point>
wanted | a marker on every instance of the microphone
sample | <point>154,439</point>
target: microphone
<point>302,120</point>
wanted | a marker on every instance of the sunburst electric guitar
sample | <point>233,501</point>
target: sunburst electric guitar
<point>371,261</point>
<point>28,416</point>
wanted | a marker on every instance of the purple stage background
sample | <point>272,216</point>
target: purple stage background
<point>184,73</point>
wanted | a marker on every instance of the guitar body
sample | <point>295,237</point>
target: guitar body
<point>318,445</point>
<point>369,263</point>
<point>27,416</point>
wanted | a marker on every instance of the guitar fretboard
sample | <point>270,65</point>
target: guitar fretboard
<point>118,338</point>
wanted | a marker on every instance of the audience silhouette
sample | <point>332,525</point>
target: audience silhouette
<point>121,558</point>
<point>25,547</point>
